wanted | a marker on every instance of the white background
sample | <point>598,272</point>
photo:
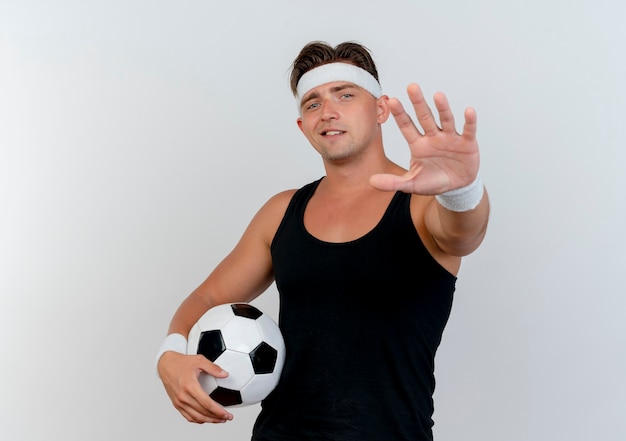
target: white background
<point>138,138</point>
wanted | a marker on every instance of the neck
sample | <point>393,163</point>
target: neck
<point>353,175</point>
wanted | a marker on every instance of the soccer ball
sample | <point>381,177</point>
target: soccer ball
<point>247,344</point>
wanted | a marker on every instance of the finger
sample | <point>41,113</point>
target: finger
<point>200,395</point>
<point>194,416</point>
<point>422,110</point>
<point>211,368</point>
<point>193,401</point>
<point>386,182</point>
<point>471,124</point>
<point>205,409</point>
<point>210,410</point>
<point>196,406</point>
<point>446,117</point>
<point>403,120</point>
<point>390,182</point>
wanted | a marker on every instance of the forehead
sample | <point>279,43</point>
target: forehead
<point>332,87</point>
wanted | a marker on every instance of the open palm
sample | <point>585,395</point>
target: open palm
<point>441,158</point>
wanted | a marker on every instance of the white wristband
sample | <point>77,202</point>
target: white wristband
<point>174,343</point>
<point>463,199</point>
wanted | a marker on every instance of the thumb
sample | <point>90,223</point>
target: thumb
<point>389,182</point>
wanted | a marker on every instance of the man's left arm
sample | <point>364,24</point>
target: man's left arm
<point>444,164</point>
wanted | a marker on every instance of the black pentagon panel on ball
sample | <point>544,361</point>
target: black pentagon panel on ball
<point>245,310</point>
<point>226,397</point>
<point>263,358</point>
<point>211,344</point>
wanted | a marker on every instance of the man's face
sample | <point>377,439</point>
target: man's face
<point>340,119</point>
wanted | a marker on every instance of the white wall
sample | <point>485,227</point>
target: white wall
<point>137,139</point>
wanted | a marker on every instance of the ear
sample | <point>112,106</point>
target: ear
<point>299,122</point>
<point>382,109</point>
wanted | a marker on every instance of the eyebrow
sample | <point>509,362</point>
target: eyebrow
<point>334,89</point>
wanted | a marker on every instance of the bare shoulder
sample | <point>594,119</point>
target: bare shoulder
<point>268,218</point>
<point>282,199</point>
<point>276,206</point>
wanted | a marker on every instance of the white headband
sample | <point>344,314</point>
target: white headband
<point>328,73</point>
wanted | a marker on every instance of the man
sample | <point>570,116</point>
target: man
<point>365,261</point>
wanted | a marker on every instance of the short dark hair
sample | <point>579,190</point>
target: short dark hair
<point>317,53</point>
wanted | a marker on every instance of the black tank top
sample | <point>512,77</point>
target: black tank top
<point>362,321</point>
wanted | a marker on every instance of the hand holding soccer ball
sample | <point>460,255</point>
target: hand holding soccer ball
<point>247,344</point>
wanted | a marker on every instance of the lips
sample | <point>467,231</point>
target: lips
<point>332,132</point>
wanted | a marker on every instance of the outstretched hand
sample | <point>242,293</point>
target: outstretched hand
<point>441,158</point>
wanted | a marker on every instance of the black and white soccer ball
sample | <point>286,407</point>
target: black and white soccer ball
<point>247,344</point>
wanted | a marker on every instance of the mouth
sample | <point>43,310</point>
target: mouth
<point>332,132</point>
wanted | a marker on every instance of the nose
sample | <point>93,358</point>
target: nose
<point>329,110</point>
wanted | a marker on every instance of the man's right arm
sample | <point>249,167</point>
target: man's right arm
<point>241,277</point>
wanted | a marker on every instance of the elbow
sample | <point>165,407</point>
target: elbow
<point>462,244</point>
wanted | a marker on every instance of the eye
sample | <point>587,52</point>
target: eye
<point>312,106</point>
